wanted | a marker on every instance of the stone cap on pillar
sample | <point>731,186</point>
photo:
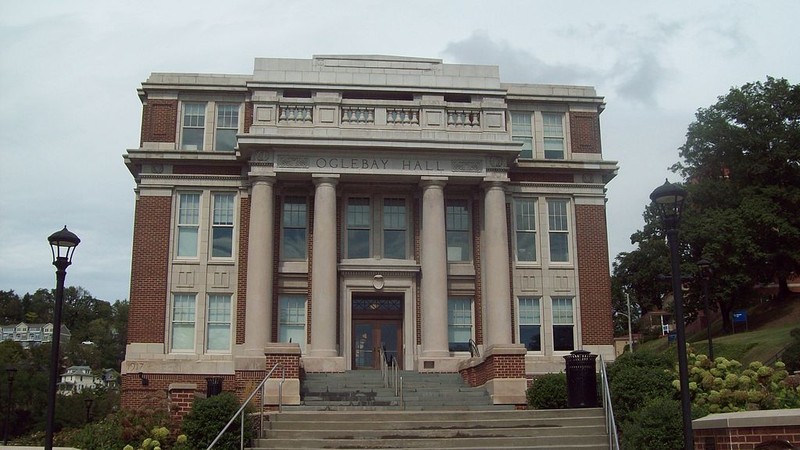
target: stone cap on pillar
<point>182,387</point>
<point>282,348</point>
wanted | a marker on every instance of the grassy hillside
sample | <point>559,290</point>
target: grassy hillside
<point>768,333</point>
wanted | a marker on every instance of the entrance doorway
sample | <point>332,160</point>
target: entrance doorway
<point>377,323</point>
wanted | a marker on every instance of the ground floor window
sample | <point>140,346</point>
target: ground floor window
<point>183,322</point>
<point>563,324</point>
<point>530,323</point>
<point>218,328</point>
<point>292,319</point>
<point>459,323</point>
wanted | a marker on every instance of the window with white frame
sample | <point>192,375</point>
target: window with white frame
<point>194,121</point>
<point>292,319</point>
<point>558,228</point>
<point>530,323</point>
<point>563,324</point>
<point>222,226</point>
<point>218,322</point>
<point>521,131</point>
<point>553,135</point>
<point>395,226</point>
<point>457,224</point>
<point>188,224</point>
<point>525,228</point>
<point>295,228</point>
<point>359,221</point>
<point>459,323</point>
<point>227,126</point>
<point>183,322</point>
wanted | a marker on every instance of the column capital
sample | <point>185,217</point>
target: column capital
<point>489,184</point>
<point>262,178</point>
<point>325,178</point>
<point>428,181</point>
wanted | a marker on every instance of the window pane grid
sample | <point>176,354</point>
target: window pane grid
<point>228,116</point>
<point>521,132</point>
<point>557,215</point>
<point>459,323</point>
<point>183,315</point>
<point>457,215</point>
<point>358,215</point>
<point>394,214</point>
<point>295,212</point>
<point>219,308</point>
<point>529,312</point>
<point>194,115</point>
<point>189,209</point>
<point>223,209</point>
<point>562,311</point>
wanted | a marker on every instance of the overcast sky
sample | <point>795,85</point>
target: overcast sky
<point>69,71</point>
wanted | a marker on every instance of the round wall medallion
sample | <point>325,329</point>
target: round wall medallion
<point>377,282</point>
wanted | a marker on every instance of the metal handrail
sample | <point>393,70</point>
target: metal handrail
<point>608,408</point>
<point>246,402</point>
<point>473,349</point>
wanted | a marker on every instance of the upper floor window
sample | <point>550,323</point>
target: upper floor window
<point>457,224</point>
<point>227,127</point>
<point>222,226</point>
<point>525,228</point>
<point>218,318</point>
<point>188,224</point>
<point>558,227</point>
<point>530,323</point>
<point>183,322</point>
<point>358,227</point>
<point>295,228</point>
<point>563,324</point>
<point>194,120</point>
<point>459,323</point>
<point>553,135</point>
<point>521,131</point>
<point>394,228</point>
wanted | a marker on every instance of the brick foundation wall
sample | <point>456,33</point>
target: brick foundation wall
<point>494,366</point>
<point>584,128</point>
<point>744,438</point>
<point>149,266</point>
<point>134,395</point>
<point>159,121</point>
<point>594,278</point>
<point>181,397</point>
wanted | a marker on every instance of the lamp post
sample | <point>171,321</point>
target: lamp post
<point>668,198</point>
<point>630,330</point>
<point>10,372</point>
<point>88,402</point>
<point>62,244</point>
<point>705,274</point>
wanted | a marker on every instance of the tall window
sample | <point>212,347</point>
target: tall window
<point>295,225</point>
<point>227,127</point>
<point>183,316</point>
<point>459,323</point>
<point>525,225</point>
<point>521,132</point>
<point>394,228</point>
<point>218,328</point>
<point>553,135</point>
<point>292,319</point>
<point>559,230</point>
<point>457,224</point>
<point>530,323</point>
<point>188,224</point>
<point>222,226</point>
<point>563,324</point>
<point>194,120</point>
<point>358,228</point>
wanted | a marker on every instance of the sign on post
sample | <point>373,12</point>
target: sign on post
<point>740,316</point>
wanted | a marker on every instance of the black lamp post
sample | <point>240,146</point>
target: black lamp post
<point>705,274</point>
<point>88,402</point>
<point>63,244</point>
<point>10,372</point>
<point>669,200</point>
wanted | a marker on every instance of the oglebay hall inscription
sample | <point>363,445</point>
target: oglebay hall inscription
<point>378,164</point>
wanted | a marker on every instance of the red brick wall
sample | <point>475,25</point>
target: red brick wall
<point>745,438</point>
<point>495,366</point>
<point>159,121</point>
<point>248,116</point>
<point>241,281</point>
<point>585,132</point>
<point>515,176</point>
<point>476,260</point>
<point>593,270</point>
<point>150,259</point>
<point>291,363</point>
<point>135,396</point>
<point>417,214</point>
<point>180,403</point>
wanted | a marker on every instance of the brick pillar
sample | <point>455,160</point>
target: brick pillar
<point>501,370</point>
<point>181,396</point>
<point>288,356</point>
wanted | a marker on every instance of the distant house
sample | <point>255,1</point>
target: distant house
<point>78,378</point>
<point>33,334</point>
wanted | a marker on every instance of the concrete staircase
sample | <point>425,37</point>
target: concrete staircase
<point>354,410</point>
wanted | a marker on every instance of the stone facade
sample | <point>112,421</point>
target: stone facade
<point>342,204</point>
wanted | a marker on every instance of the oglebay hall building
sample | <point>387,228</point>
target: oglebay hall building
<point>341,204</point>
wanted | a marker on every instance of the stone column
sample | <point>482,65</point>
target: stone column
<point>433,256</point>
<point>496,276</point>
<point>323,269</point>
<point>258,322</point>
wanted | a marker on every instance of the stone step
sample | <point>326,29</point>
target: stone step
<point>540,442</point>
<point>397,416</point>
<point>428,421</point>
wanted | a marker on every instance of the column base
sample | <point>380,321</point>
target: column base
<point>288,395</point>
<point>315,363</point>
<point>507,391</point>
<point>438,363</point>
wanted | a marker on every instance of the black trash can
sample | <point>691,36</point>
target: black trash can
<point>581,379</point>
<point>213,386</point>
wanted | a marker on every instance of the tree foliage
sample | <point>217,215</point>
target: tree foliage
<point>741,166</point>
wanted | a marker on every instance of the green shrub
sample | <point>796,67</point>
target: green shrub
<point>791,356</point>
<point>207,418</point>
<point>655,426</point>
<point>637,378</point>
<point>548,392</point>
